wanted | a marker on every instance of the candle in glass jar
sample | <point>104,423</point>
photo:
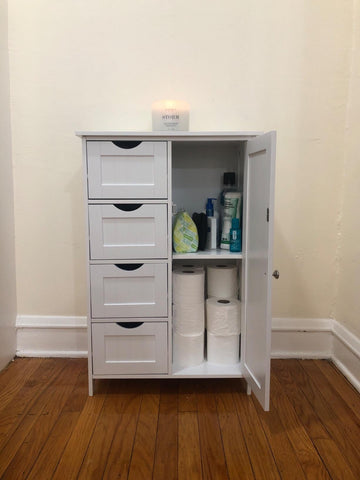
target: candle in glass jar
<point>170,115</point>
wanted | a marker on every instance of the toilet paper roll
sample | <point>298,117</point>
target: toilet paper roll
<point>187,266</point>
<point>224,350</point>
<point>223,316</point>
<point>222,281</point>
<point>189,319</point>
<point>188,286</point>
<point>188,350</point>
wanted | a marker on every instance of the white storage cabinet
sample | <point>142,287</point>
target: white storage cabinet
<point>133,182</point>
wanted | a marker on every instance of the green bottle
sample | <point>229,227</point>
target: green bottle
<point>235,236</point>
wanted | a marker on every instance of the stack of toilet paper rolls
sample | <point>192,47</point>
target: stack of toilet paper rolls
<point>223,315</point>
<point>188,315</point>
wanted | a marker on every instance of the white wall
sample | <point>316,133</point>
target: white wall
<point>7,270</point>
<point>262,65</point>
<point>348,300</point>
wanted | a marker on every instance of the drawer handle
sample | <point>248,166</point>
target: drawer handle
<point>127,207</point>
<point>128,266</point>
<point>127,144</point>
<point>129,324</point>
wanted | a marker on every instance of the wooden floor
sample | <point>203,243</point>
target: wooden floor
<point>169,429</point>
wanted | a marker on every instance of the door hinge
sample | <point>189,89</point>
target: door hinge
<point>267,215</point>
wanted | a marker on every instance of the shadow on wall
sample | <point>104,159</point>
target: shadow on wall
<point>290,293</point>
<point>75,188</point>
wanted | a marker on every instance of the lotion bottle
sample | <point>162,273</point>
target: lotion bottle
<point>235,236</point>
<point>212,223</point>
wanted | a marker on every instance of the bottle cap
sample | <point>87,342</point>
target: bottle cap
<point>229,178</point>
<point>235,223</point>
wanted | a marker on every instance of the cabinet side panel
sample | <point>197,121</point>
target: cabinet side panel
<point>86,196</point>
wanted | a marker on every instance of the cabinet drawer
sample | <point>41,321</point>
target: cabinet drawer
<point>128,231</point>
<point>129,290</point>
<point>127,169</point>
<point>129,348</point>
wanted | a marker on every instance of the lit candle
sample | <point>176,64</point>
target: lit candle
<point>170,115</point>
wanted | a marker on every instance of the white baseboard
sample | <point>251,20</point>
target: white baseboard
<point>301,338</point>
<point>62,336</point>
<point>51,336</point>
<point>346,354</point>
<point>318,338</point>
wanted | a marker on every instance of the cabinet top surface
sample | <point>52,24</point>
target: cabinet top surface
<point>169,135</point>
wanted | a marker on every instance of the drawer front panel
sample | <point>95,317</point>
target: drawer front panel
<point>118,350</point>
<point>117,172</point>
<point>133,290</point>
<point>128,231</point>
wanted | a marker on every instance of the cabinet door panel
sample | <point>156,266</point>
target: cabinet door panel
<point>258,215</point>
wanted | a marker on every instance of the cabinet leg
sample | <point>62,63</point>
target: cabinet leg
<point>91,387</point>
<point>248,389</point>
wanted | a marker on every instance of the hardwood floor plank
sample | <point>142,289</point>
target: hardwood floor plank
<point>75,450</point>
<point>304,449</point>
<point>236,453</point>
<point>330,408</point>
<point>293,379</point>
<point>14,412</point>
<point>187,396</point>
<point>12,447</point>
<point>118,461</point>
<point>78,397</point>
<point>166,451</point>
<point>338,403</point>
<point>212,450</point>
<point>189,455</point>
<point>142,460</point>
<point>95,460</point>
<point>338,420</point>
<point>21,416</point>
<point>14,376</point>
<point>341,384</point>
<point>284,454</point>
<point>50,455</point>
<point>261,457</point>
<point>43,421</point>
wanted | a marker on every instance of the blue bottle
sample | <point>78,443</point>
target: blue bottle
<point>235,236</point>
<point>209,208</point>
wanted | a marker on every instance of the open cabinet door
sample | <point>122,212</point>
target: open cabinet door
<point>257,264</point>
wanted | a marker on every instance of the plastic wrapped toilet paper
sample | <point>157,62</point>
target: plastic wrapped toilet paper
<point>188,350</point>
<point>222,281</point>
<point>224,350</point>
<point>189,319</point>
<point>223,316</point>
<point>185,234</point>
<point>188,286</point>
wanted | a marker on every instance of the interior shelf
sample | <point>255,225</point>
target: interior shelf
<point>207,254</point>
<point>206,369</point>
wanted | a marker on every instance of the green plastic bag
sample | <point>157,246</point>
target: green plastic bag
<point>185,234</point>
